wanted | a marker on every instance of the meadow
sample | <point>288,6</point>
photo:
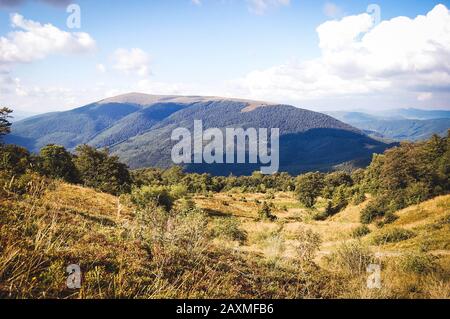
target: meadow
<point>216,246</point>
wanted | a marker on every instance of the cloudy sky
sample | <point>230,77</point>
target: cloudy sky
<point>322,55</point>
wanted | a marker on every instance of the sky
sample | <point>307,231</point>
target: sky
<point>321,55</point>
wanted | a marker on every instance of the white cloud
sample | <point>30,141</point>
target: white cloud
<point>425,96</point>
<point>33,41</point>
<point>100,68</point>
<point>133,61</point>
<point>401,55</point>
<point>261,6</point>
<point>196,2</point>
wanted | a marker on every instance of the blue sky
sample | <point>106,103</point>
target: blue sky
<point>218,47</point>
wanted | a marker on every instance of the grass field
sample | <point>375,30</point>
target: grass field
<point>223,251</point>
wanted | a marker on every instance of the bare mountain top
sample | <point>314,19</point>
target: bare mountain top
<point>148,99</point>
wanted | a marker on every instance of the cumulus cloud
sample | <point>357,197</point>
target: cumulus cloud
<point>33,41</point>
<point>134,61</point>
<point>359,57</point>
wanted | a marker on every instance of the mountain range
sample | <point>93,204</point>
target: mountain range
<point>137,128</point>
<point>399,124</point>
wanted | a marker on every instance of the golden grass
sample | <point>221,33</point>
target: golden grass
<point>41,235</point>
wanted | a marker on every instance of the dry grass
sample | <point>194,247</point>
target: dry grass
<point>278,241</point>
<point>223,252</point>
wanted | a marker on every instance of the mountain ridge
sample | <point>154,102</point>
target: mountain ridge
<point>137,128</point>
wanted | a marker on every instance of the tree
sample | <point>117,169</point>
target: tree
<point>5,124</point>
<point>334,180</point>
<point>15,159</point>
<point>101,171</point>
<point>56,162</point>
<point>309,187</point>
<point>146,195</point>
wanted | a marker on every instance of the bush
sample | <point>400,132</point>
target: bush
<point>393,235</point>
<point>418,263</point>
<point>178,191</point>
<point>56,162</point>
<point>352,257</point>
<point>265,213</point>
<point>158,195</point>
<point>417,193</point>
<point>101,171</point>
<point>228,228</point>
<point>375,209</point>
<point>309,244</point>
<point>360,231</point>
<point>389,218</point>
<point>15,159</point>
<point>359,198</point>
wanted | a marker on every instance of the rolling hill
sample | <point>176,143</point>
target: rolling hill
<point>137,128</point>
<point>399,125</point>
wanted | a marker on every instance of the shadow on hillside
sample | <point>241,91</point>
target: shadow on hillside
<point>314,150</point>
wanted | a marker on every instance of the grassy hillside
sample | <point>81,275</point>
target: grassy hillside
<point>224,250</point>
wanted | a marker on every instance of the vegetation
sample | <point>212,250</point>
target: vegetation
<point>393,235</point>
<point>5,124</point>
<point>56,162</point>
<point>157,233</point>
<point>309,187</point>
<point>265,212</point>
<point>140,132</point>
<point>360,231</point>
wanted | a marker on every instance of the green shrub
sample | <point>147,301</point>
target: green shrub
<point>14,159</point>
<point>418,263</point>
<point>359,198</point>
<point>178,191</point>
<point>228,228</point>
<point>101,171</point>
<point>393,235</point>
<point>265,213</point>
<point>309,187</point>
<point>360,231</point>
<point>56,162</point>
<point>375,209</point>
<point>389,218</point>
<point>160,195</point>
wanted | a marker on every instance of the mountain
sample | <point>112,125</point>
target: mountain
<point>137,128</point>
<point>417,114</point>
<point>399,125</point>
